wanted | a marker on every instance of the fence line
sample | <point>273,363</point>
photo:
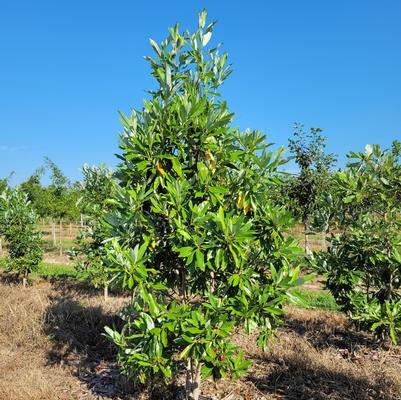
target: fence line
<point>62,236</point>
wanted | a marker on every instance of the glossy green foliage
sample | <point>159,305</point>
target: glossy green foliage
<point>363,264</point>
<point>196,238</point>
<point>307,191</point>
<point>90,252</point>
<point>18,227</point>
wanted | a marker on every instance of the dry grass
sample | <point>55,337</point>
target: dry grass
<point>51,348</point>
<point>49,335</point>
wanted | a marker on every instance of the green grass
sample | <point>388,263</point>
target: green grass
<point>47,270</point>
<point>47,244</point>
<point>316,299</point>
<point>55,270</point>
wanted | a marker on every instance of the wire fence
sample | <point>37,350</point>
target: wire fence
<point>313,241</point>
<point>59,237</point>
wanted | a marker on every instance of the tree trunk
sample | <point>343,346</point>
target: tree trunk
<point>389,287</point>
<point>193,380</point>
<point>25,280</point>
<point>54,233</point>
<point>306,239</point>
<point>196,384</point>
<point>106,292</point>
<point>60,229</point>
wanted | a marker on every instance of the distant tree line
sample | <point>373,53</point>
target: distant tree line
<point>57,200</point>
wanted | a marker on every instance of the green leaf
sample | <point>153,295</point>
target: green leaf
<point>203,172</point>
<point>185,251</point>
<point>200,260</point>
<point>206,38</point>
<point>177,166</point>
<point>156,47</point>
<point>185,353</point>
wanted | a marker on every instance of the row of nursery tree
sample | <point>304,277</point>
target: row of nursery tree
<point>57,200</point>
<point>195,222</point>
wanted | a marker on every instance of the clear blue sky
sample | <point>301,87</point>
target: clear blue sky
<point>68,66</point>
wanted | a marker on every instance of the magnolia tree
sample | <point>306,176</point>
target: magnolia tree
<point>311,187</point>
<point>196,239</point>
<point>90,252</point>
<point>363,265</point>
<point>18,227</point>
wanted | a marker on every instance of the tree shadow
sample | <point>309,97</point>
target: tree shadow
<point>321,357</point>
<point>78,341</point>
<point>322,334</point>
<point>10,278</point>
<point>294,378</point>
<point>67,286</point>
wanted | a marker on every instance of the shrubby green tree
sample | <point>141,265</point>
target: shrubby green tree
<point>363,264</point>
<point>18,227</point>
<point>310,189</point>
<point>195,238</point>
<point>37,194</point>
<point>63,194</point>
<point>90,252</point>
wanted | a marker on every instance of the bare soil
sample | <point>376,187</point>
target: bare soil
<point>51,347</point>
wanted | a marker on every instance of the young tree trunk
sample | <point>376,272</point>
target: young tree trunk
<point>193,380</point>
<point>196,384</point>
<point>305,239</point>
<point>54,233</point>
<point>389,287</point>
<point>25,280</point>
<point>106,292</point>
<point>60,229</point>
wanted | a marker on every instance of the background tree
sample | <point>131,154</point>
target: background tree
<point>307,189</point>
<point>18,226</point>
<point>196,239</point>
<point>90,253</point>
<point>37,194</point>
<point>58,200</point>
<point>363,265</point>
<point>63,194</point>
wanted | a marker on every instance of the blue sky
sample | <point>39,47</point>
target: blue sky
<point>67,67</point>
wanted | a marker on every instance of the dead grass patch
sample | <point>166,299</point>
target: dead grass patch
<point>51,347</point>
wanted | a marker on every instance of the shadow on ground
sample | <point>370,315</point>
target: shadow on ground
<point>10,278</point>
<point>78,341</point>
<point>299,378</point>
<point>77,333</point>
<point>320,356</point>
<point>323,333</point>
<point>67,286</point>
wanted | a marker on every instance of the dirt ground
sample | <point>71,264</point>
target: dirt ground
<point>51,348</point>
